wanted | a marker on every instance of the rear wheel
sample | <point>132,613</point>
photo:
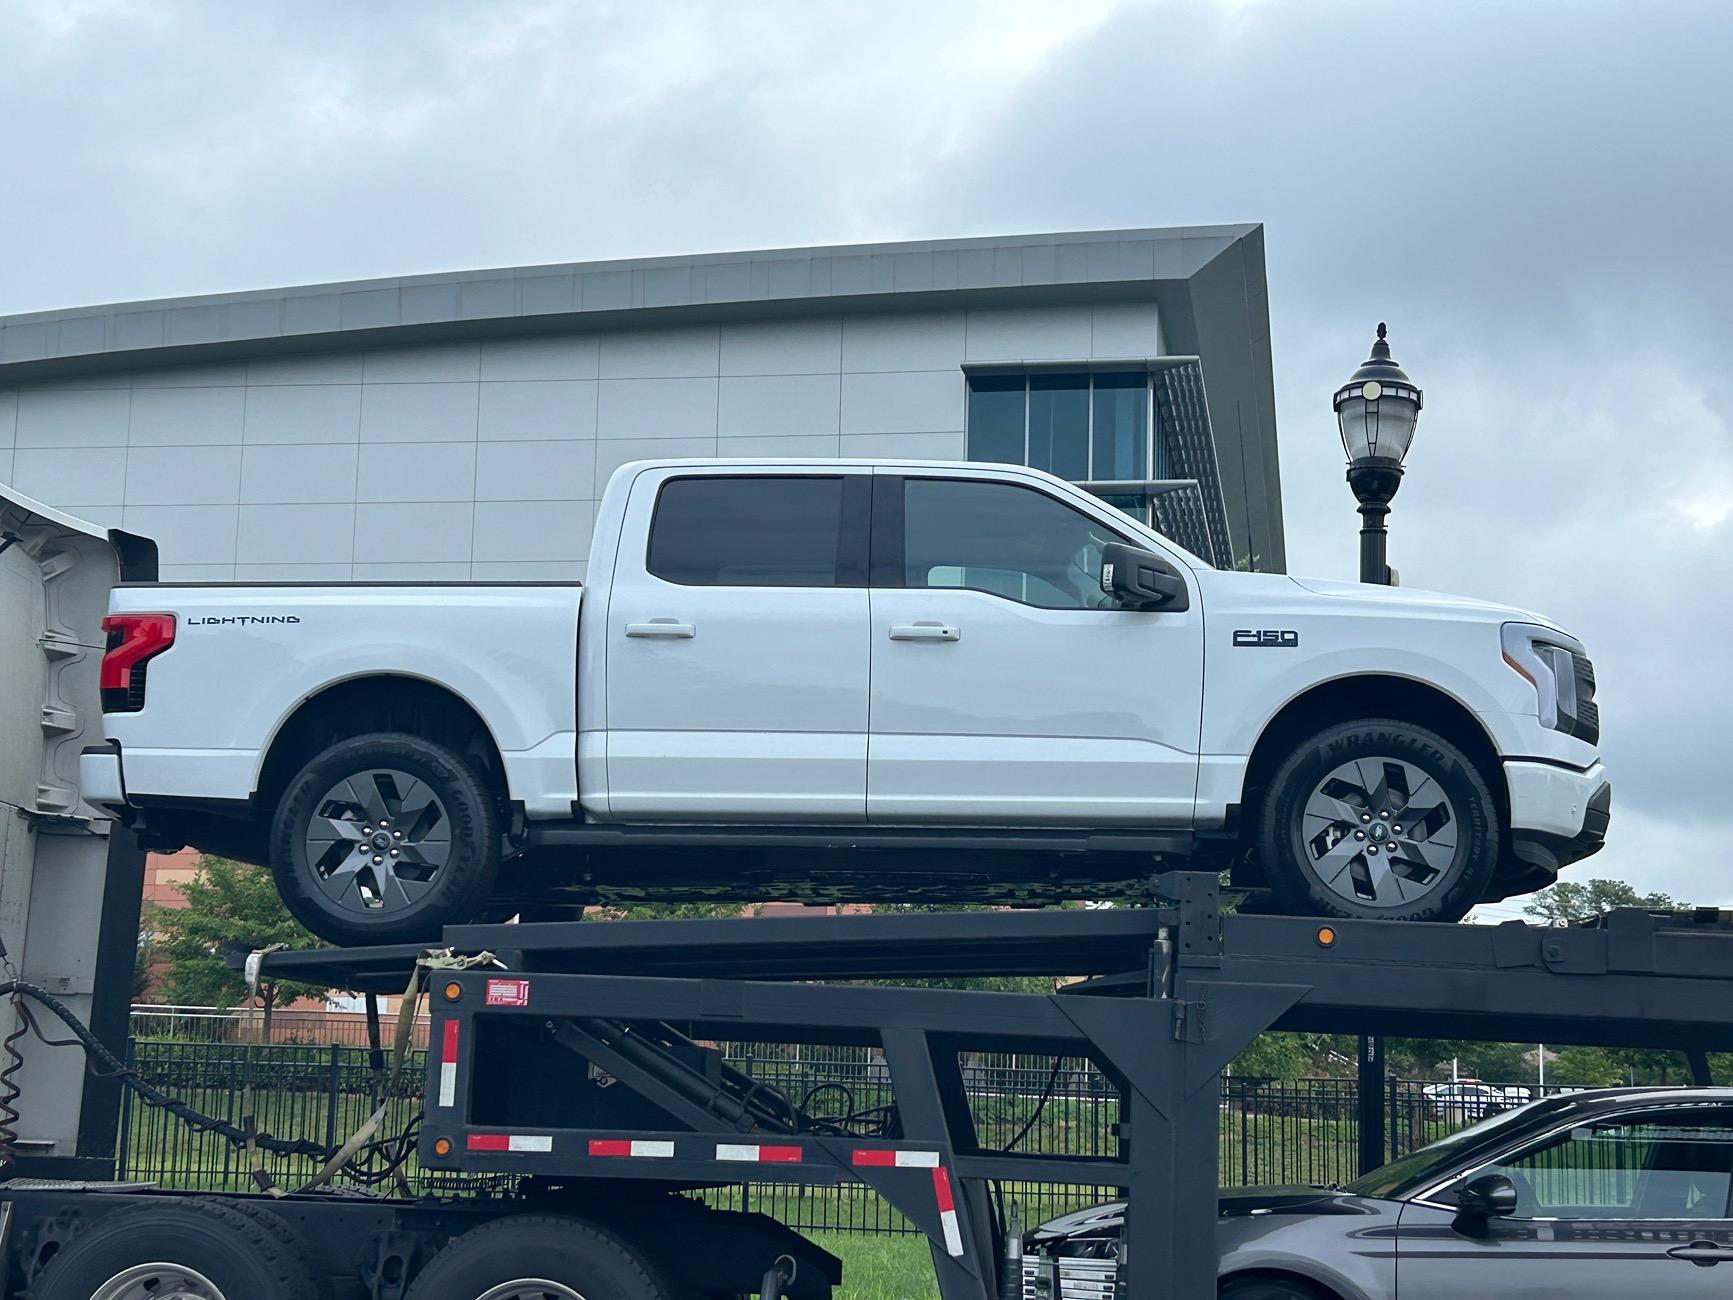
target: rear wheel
<point>537,1257</point>
<point>181,1250</point>
<point>1378,819</point>
<point>385,839</point>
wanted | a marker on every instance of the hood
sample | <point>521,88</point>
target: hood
<point>1108,1220</point>
<point>1378,597</point>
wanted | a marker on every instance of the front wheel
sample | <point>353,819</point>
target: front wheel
<point>386,838</point>
<point>1380,820</point>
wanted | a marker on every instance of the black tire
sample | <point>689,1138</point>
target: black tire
<point>548,1248</point>
<point>1423,879</point>
<point>1271,1288</point>
<point>457,889</point>
<point>241,1256</point>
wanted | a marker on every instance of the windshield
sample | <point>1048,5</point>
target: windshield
<point>1420,1166</point>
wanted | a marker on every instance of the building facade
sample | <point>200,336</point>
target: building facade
<point>463,426</point>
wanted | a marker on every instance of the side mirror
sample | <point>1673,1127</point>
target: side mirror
<point>1491,1196</point>
<point>1139,579</point>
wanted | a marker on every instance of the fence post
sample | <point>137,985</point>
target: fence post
<point>1371,1102</point>
<point>332,1099</point>
<point>124,1143</point>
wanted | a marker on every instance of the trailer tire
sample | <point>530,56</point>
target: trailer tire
<point>1378,819</point>
<point>545,1254</point>
<point>132,1253</point>
<point>406,891</point>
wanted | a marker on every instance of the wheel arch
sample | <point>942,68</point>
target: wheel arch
<point>1369,695</point>
<point>371,702</point>
<point>1290,1277</point>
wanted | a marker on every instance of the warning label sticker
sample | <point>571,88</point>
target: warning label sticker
<point>508,993</point>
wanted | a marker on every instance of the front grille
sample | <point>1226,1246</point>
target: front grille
<point>1586,724</point>
<point>1079,1279</point>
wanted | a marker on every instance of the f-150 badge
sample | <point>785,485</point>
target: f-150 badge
<point>1268,638</point>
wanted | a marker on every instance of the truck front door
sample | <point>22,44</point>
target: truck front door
<point>737,648</point>
<point>1006,686</point>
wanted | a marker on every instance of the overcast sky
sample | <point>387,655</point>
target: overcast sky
<point>1538,198</point>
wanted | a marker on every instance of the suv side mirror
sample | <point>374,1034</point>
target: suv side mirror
<point>1140,579</point>
<point>1491,1196</point>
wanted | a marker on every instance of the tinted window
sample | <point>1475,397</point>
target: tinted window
<point>1664,1165</point>
<point>1059,425</point>
<point>998,412</point>
<point>1012,541</point>
<point>748,532</point>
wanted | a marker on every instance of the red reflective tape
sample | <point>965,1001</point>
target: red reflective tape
<point>610,1146</point>
<point>448,1053</point>
<point>490,1142</point>
<point>881,1159</point>
<point>942,1190</point>
<point>779,1155</point>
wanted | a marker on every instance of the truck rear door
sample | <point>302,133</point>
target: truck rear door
<point>737,647</point>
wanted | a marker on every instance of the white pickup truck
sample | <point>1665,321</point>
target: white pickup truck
<point>850,679</point>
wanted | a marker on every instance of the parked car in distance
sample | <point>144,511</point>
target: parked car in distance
<point>1596,1195</point>
<point>1465,1100</point>
<point>848,679</point>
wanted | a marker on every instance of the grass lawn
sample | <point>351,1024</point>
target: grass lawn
<point>881,1267</point>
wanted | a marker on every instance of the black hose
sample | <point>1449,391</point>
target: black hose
<point>97,1053</point>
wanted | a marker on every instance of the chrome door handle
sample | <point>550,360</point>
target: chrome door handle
<point>666,628</point>
<point>1704,1254</point>
<point>925,631</point>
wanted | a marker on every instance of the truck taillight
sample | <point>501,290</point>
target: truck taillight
<point>133,641</point>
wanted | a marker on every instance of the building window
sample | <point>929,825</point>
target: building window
<point>1081,425</point>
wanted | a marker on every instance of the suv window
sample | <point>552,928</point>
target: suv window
<point>1659,1165</point>
<point>748,531</point>
<point>1012,541</point>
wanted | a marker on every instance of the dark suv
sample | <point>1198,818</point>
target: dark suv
<point>1597,1195</point>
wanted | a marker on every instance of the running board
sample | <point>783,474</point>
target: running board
<point>852,839</point>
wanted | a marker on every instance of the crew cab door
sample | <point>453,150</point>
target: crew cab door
<point>737,647</point>
<point>1006,686</point>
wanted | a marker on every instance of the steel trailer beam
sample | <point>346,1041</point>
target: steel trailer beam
<point>1173,993</point>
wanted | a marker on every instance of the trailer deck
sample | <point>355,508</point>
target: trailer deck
<point>578,1055</point>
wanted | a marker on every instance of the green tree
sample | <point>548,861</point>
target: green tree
<point>230,907</point>
<point>1578,900</point>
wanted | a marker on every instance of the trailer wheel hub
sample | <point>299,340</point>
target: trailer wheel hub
<point>160,1281</point>
<point>530,1288</point>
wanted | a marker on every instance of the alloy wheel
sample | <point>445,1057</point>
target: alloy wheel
<point>377,840</point>
<point>1379,832</point>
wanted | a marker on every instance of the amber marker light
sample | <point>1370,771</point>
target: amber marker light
<point>442,1147</point>
<point>453,991</point>
<point>1326,936</point>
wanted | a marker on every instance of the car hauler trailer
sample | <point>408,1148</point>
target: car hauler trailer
<point>572,1058</point>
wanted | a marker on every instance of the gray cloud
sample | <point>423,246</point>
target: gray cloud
<point>1532,195</point>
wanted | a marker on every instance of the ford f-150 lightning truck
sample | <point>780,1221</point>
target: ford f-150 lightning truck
<point>889,679</point>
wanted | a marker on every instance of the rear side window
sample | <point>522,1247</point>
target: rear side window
<point>744,531</point>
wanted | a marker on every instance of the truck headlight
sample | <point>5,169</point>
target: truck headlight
<point>1548,660</point>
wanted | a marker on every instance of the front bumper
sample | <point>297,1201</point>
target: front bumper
<point>1558,815</point>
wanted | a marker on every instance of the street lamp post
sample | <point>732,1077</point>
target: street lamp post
<point>1376,411</point>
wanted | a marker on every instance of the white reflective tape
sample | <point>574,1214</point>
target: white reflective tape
<point>654,1150</point>
<point>917,1160</point>
<point>529,1142</point>
<point>953,1235</point>
<point>747,1153</point>
<point>448,1083</point>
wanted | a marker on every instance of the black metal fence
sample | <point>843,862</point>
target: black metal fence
<point>1271,1131</point>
